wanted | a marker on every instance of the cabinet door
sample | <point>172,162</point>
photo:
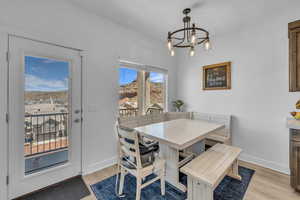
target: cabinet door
<point>294,56</point>
<point>295,165</point>
<point>297,149</point>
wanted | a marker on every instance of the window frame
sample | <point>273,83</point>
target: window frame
<point>141,70</point>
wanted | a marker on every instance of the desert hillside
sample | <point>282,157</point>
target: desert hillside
<point>128,92</point>
<point>43,96</point>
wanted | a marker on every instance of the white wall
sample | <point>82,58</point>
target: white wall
<point>60,22</point>
<point>3,109</point>
<point>259,99</point>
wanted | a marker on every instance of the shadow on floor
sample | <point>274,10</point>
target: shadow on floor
<point>72,189</point>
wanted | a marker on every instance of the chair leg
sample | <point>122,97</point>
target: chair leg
<point>162,182</point>
<point>122,179</point>
<point>138,188</point>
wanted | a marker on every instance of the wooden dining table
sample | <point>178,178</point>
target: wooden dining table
<point>176,135</point>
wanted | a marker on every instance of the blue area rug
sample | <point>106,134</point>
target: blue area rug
<point>228,189</point>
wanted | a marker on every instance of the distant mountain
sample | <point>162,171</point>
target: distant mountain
<point>43,96</point>
<point>128,92</point>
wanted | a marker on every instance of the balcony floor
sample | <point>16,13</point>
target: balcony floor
<point>44,161</point>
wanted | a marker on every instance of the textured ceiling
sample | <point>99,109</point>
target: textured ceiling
<point>156,17</point>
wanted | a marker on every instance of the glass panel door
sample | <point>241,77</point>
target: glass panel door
<point>45,115</point>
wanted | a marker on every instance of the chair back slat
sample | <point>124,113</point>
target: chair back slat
<point>129,144</point>
<point>125,132</point>
<point>128,152</point>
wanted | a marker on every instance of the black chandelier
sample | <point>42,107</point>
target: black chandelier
<point>188,37</point>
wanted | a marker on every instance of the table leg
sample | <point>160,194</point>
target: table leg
<point>171,156</point>
<point>234,171</point>
<point>197,148</point>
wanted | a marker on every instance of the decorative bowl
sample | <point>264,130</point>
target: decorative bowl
<point>296,115</point>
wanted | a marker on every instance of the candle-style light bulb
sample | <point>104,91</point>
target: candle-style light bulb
<point>193,38</point>
<point>207,45</point>
<point>169,44</point>
<point>172,52</point>
<point>192,51</point>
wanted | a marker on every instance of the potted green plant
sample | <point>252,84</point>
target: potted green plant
<point>178,105</point>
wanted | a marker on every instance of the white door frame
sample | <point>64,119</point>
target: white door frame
<point>82,88</point>
<point>3,111</point>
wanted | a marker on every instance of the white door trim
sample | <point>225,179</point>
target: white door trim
<point>48,37</point>
<point>54,52</point>
<point>3,111</point>
<point>84,94</point>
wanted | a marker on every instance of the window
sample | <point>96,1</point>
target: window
<point>142,90</point>
<point>155,92</point>
<point>128,93</point>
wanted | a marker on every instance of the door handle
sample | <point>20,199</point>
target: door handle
<point>77,111</point>
<point>77,120</point>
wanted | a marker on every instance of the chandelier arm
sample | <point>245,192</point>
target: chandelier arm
<point>203,38</point>
<point>184,29</point>
<point>188,32</point>
<point>200,38</point>
<point>201,42</point>
<point>177,38</point>
<point>178,44</point>
<point>182,46</point>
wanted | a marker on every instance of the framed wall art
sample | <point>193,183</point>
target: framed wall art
<point>217,76</point>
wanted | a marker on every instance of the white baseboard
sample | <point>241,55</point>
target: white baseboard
<point>265,163</point>
<point>99,165</point>
<point>244,157</point>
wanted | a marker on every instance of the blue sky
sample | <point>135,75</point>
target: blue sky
<point>43,74</point>
<point>127,75</point>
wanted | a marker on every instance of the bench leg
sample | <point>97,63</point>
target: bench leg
<point>234,172</point>
<point>199,191</point>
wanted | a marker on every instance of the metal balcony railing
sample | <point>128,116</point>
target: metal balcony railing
<point>45,133</point>
<point>124,112</point>
<point>153,110</point>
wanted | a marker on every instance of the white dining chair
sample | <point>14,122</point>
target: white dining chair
<point>130,161</point>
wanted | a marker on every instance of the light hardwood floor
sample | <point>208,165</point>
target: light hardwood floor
<point>266,184</point>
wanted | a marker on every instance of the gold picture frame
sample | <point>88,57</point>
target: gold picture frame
<point>217,76</point>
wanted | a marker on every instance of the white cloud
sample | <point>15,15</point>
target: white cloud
<point>48,61</point>
<point>157,78</point>
<point>35,83</point>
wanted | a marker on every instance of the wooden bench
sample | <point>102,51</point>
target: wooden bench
<point>207,170</point>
